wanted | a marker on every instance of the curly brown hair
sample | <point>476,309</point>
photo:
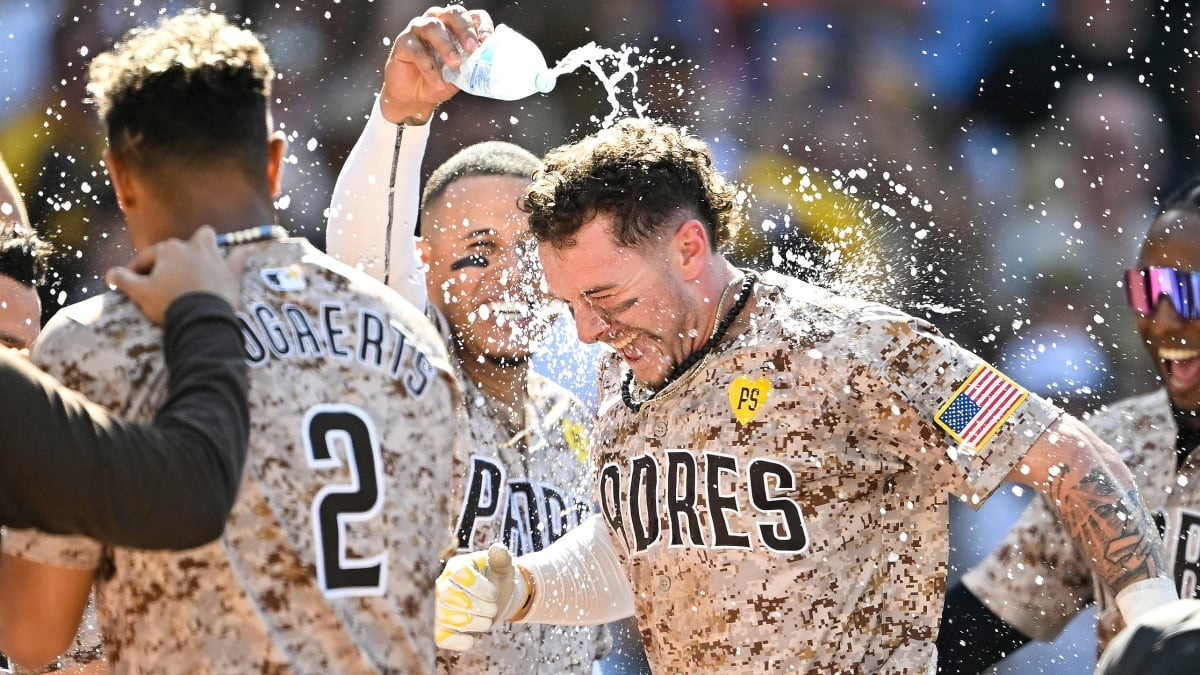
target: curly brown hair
<point>640,173</point>
<point>191,88</point>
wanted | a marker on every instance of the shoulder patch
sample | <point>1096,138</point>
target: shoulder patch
<point>975,412</point>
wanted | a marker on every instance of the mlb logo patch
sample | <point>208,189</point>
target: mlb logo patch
<point>976,411</point>
<point>284,279</point>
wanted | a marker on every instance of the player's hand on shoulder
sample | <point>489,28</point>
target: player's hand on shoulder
<point>412,79</point>
<point>160,274</point>
<point>473,592</point>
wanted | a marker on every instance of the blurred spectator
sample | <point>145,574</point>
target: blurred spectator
<point>1136,41</point>
<point>55,156</point>
<point>1057,262</point>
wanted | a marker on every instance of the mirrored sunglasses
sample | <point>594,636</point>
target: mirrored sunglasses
<point>1145,287</point>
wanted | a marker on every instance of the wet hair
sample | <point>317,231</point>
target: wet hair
<point>23,255</point>
<point>640,173</point>
<point>490,158</point>
<point>191,89</point>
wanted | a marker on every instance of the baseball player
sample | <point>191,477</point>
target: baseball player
<point>327,560</point>
<point>1037,580</point>
<point>57,457</point>
<point>527,481</point>
<point>22,268</point>
<point>54,435</point>
<point>772,461</point>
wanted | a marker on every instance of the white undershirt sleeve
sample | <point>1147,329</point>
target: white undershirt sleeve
<point>1138,598</point>
<point>578,580</point>
<point>376,199</point>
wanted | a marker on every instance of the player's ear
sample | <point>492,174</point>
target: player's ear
<point>276,146</point>
<point>422,249</point>
<point>121,178</point>
<point>689,249</point>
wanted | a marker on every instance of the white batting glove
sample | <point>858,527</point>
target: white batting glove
<point>474,591</point>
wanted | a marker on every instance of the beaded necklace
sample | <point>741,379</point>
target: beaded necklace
<point>719,330</point>
<point>251,235</point>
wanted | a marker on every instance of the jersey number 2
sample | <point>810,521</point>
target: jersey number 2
<point>325,427</point>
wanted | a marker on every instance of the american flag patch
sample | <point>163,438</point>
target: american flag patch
<point>976,411</point>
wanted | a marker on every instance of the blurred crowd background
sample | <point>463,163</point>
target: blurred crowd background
<point>989,165</point>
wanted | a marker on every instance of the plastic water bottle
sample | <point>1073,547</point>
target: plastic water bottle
<point>506,66</point>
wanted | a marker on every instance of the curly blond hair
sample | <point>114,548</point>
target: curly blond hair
<point>639,172</point>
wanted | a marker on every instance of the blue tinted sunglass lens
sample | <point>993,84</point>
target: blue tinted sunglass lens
<point>1146,287</point>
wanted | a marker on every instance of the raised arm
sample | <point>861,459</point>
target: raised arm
<point>376,199</point>
<point>373,216</point>
<point>1094,496</point>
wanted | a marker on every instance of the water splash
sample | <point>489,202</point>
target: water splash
<point>596,58</point>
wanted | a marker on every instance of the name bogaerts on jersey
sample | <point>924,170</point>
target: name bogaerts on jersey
<point>331,330</point>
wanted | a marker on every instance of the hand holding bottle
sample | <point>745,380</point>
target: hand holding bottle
<point>413,85</point>
<point>508,66</point>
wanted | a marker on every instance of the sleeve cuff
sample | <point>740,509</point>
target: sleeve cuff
<point>1137,599</point>
<point>379,129</point>
<point>49,549</point>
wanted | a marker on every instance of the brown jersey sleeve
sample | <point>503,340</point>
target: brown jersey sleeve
<point>68,466</point>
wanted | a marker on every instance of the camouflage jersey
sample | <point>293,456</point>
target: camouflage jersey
<point>522,490</point>
<point>524,487</point>
<point>785,508</point>
<point>328,560</point>
<point>1037,582</point>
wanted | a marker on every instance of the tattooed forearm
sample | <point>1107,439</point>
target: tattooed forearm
<point>1109,526</point>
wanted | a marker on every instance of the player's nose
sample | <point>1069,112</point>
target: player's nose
<point>590,326</point>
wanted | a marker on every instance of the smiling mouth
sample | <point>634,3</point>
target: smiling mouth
<point>1182,367</point>
<point>621,343</point>
<point>624,347</point>
<point>1177,354</point>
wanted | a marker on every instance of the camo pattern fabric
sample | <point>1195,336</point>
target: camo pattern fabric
<point>329,559</point>
<point>784,509</point>
<point>526,488</point>
<point>1036,580</point>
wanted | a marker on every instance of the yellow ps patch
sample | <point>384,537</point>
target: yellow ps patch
<point>576,437</point>
<point>747,398</point>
